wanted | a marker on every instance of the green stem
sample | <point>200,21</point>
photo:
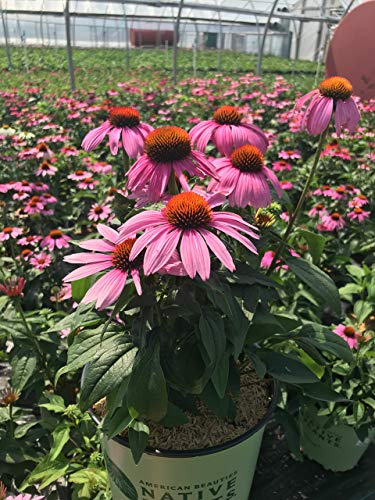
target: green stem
<point>294,217</point>
<point>126,161</point>
<point>172,184</point>
<point>11,421</point>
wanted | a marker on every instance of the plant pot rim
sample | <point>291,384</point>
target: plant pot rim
<point>213,449</point>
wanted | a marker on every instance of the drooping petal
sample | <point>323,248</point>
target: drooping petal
<point>140,173</point>
<point>136,280</point>
<point>223,140</point>
<point>225,228</point>
<point>97,245</point>
<point>87,258</point>
<point>202,133</point>
<point>158,181</point>
<point>346,115</point>
<point>236,221</point>
<point>87,270</point>
<point>147,238</point>
<point>195,255</point>
<point>107,289</point>
<point>254,135</point>
<point>114,137</point>
<point>139,222</point>
<point>108,233</point>
<point>218,248</point>
<point>204,165</point>
<point>320,116</point>
<point>160,251</point>
<point>131,143</point>
<point>302,100</point>
<point>274,180</point>
<point>95,136</point>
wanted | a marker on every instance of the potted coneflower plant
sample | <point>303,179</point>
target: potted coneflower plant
<point>177,366</point>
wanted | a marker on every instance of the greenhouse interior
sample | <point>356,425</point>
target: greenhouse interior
<point>187,250</point>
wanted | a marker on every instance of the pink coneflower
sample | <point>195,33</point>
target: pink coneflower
<point>267,259</point>
<point>24,186</point>
<point>285,216</point>
<point>110,253</point>
<point>286,185</point>
<point>358,201</point>
<point>45,168</point>
<point>65,293</point>
<point>333,221</point>
<point>325,190</point>
<point>25,496</point>
<point>34,205</point>
<point>48,198</point>
<point>9,232</point>
<point>244,177</point>
<point>167,152</point>
<point>99,212</point>
<point>64,332</point>
<point>79,175</point>
<point>56,239</point>
<point>41,260</point>
<point>186,221</point>
<point>40,186</point>
<point>358,214</point>
<point>318,210</point>
<point>339,193</point>
<point>69,151</point>
<point>227,131</point>
<point>20,195</point>
<point>281,165</point>
<point>25,254</point>
<point>40,151</point>
<point>332,96</point>
<point>124,122</point>
<point>87,183</point>
<point>13,287</point>
<point>290,154</point>
<point>349,334</point>
<point>29,240</point>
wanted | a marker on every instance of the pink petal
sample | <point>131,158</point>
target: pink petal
<point>97,245</point>
<point>302,100</point>
<point>95,136</point>
<point>234,234</point>
<point>107,289</point>
<point>87,270</point>
<point>346,115</point>
<point>108,233</point>
<point>218,248</point>
<point>195,255</point>
<point>140,172</point>
<point>136,280</point>
<point>237,222</point>
<point>204,165</point>
<point>202,133</point>
<point>274,180</point>
<point>254,135</point>
<point>139,222</point>
<point>148,237</point>
<point>158,181</point>
<point>87,258</point>
<point>223,140</point>
<point>159,252</point>
<point>130,143</point>
<point>320,116</point>
<point>114,137</point>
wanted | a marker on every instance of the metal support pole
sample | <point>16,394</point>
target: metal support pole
<point>127,54</point>
<point>5,31</point>
<point>299,34</point>
<point>318,42</point>
<point>195,47</point>
<point>260,54</point>
<point>221,40</point>
<point>348,8</point>
<point>175,41</point>
<point>69,46</point>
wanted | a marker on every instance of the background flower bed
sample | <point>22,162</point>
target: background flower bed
<point>35,113</point>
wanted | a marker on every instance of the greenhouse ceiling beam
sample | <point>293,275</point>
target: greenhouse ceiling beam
<point>175,40</point>
<point>214,8</point>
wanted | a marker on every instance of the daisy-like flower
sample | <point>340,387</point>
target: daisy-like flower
<point>290,154</point>
<point>349,334</point>
<point>168,152</point>
<point>285,216</point>
<point>124,122</point>
<point>45,168</point>
<point>227,130</point>
<point>281,165</point>
<point>339,193</point>
<point>333,221</point>
<point>57,239</point>
<point>244,177</point>
<point>99,212</point>
<point>79,175</point>
<point>325,190</point>
<point>358,201</point>
<point>48,198</point>
<point>187,221</point>
<point>69,151</point>
<point>40,261</point>
<point>109,254</point>
<point>359,214</point>
<point>9,232</point>
<point>318,210</point>
<point>29,240</point>
<point>334,95</point>
<point>34,205</point>
<point>25,496</point>
<point>267,260</point>
<point>13,287</point>
<point>286,185</point>
<point>87,183</point>
<point>25,254</point>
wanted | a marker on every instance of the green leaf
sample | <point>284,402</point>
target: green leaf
<point>287,369</point>
<point>122,207</point>
<point>107,372</point>
<point>80,287</point>
<point>315,242</point>
<point>212,336</point>
<point>147,392</point>
<point>138,439</point>
<point>118,422</point>
<point>46,472</point>
<point>349,289</point>
<point>325,340</point>
<point>55,403</point>
<point>320,283</point>
<point>322,392</point>
<point>175,416</point>
<point>23,366</point>
<point>220,376</point>
<point>362,310</point>
<point>122,482</point>
<point>87,347</point>
<point>60,438</point>
<point>358,410</point>
<point>355,271</point>
<point>370,402</point>
<point>291,430</point>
